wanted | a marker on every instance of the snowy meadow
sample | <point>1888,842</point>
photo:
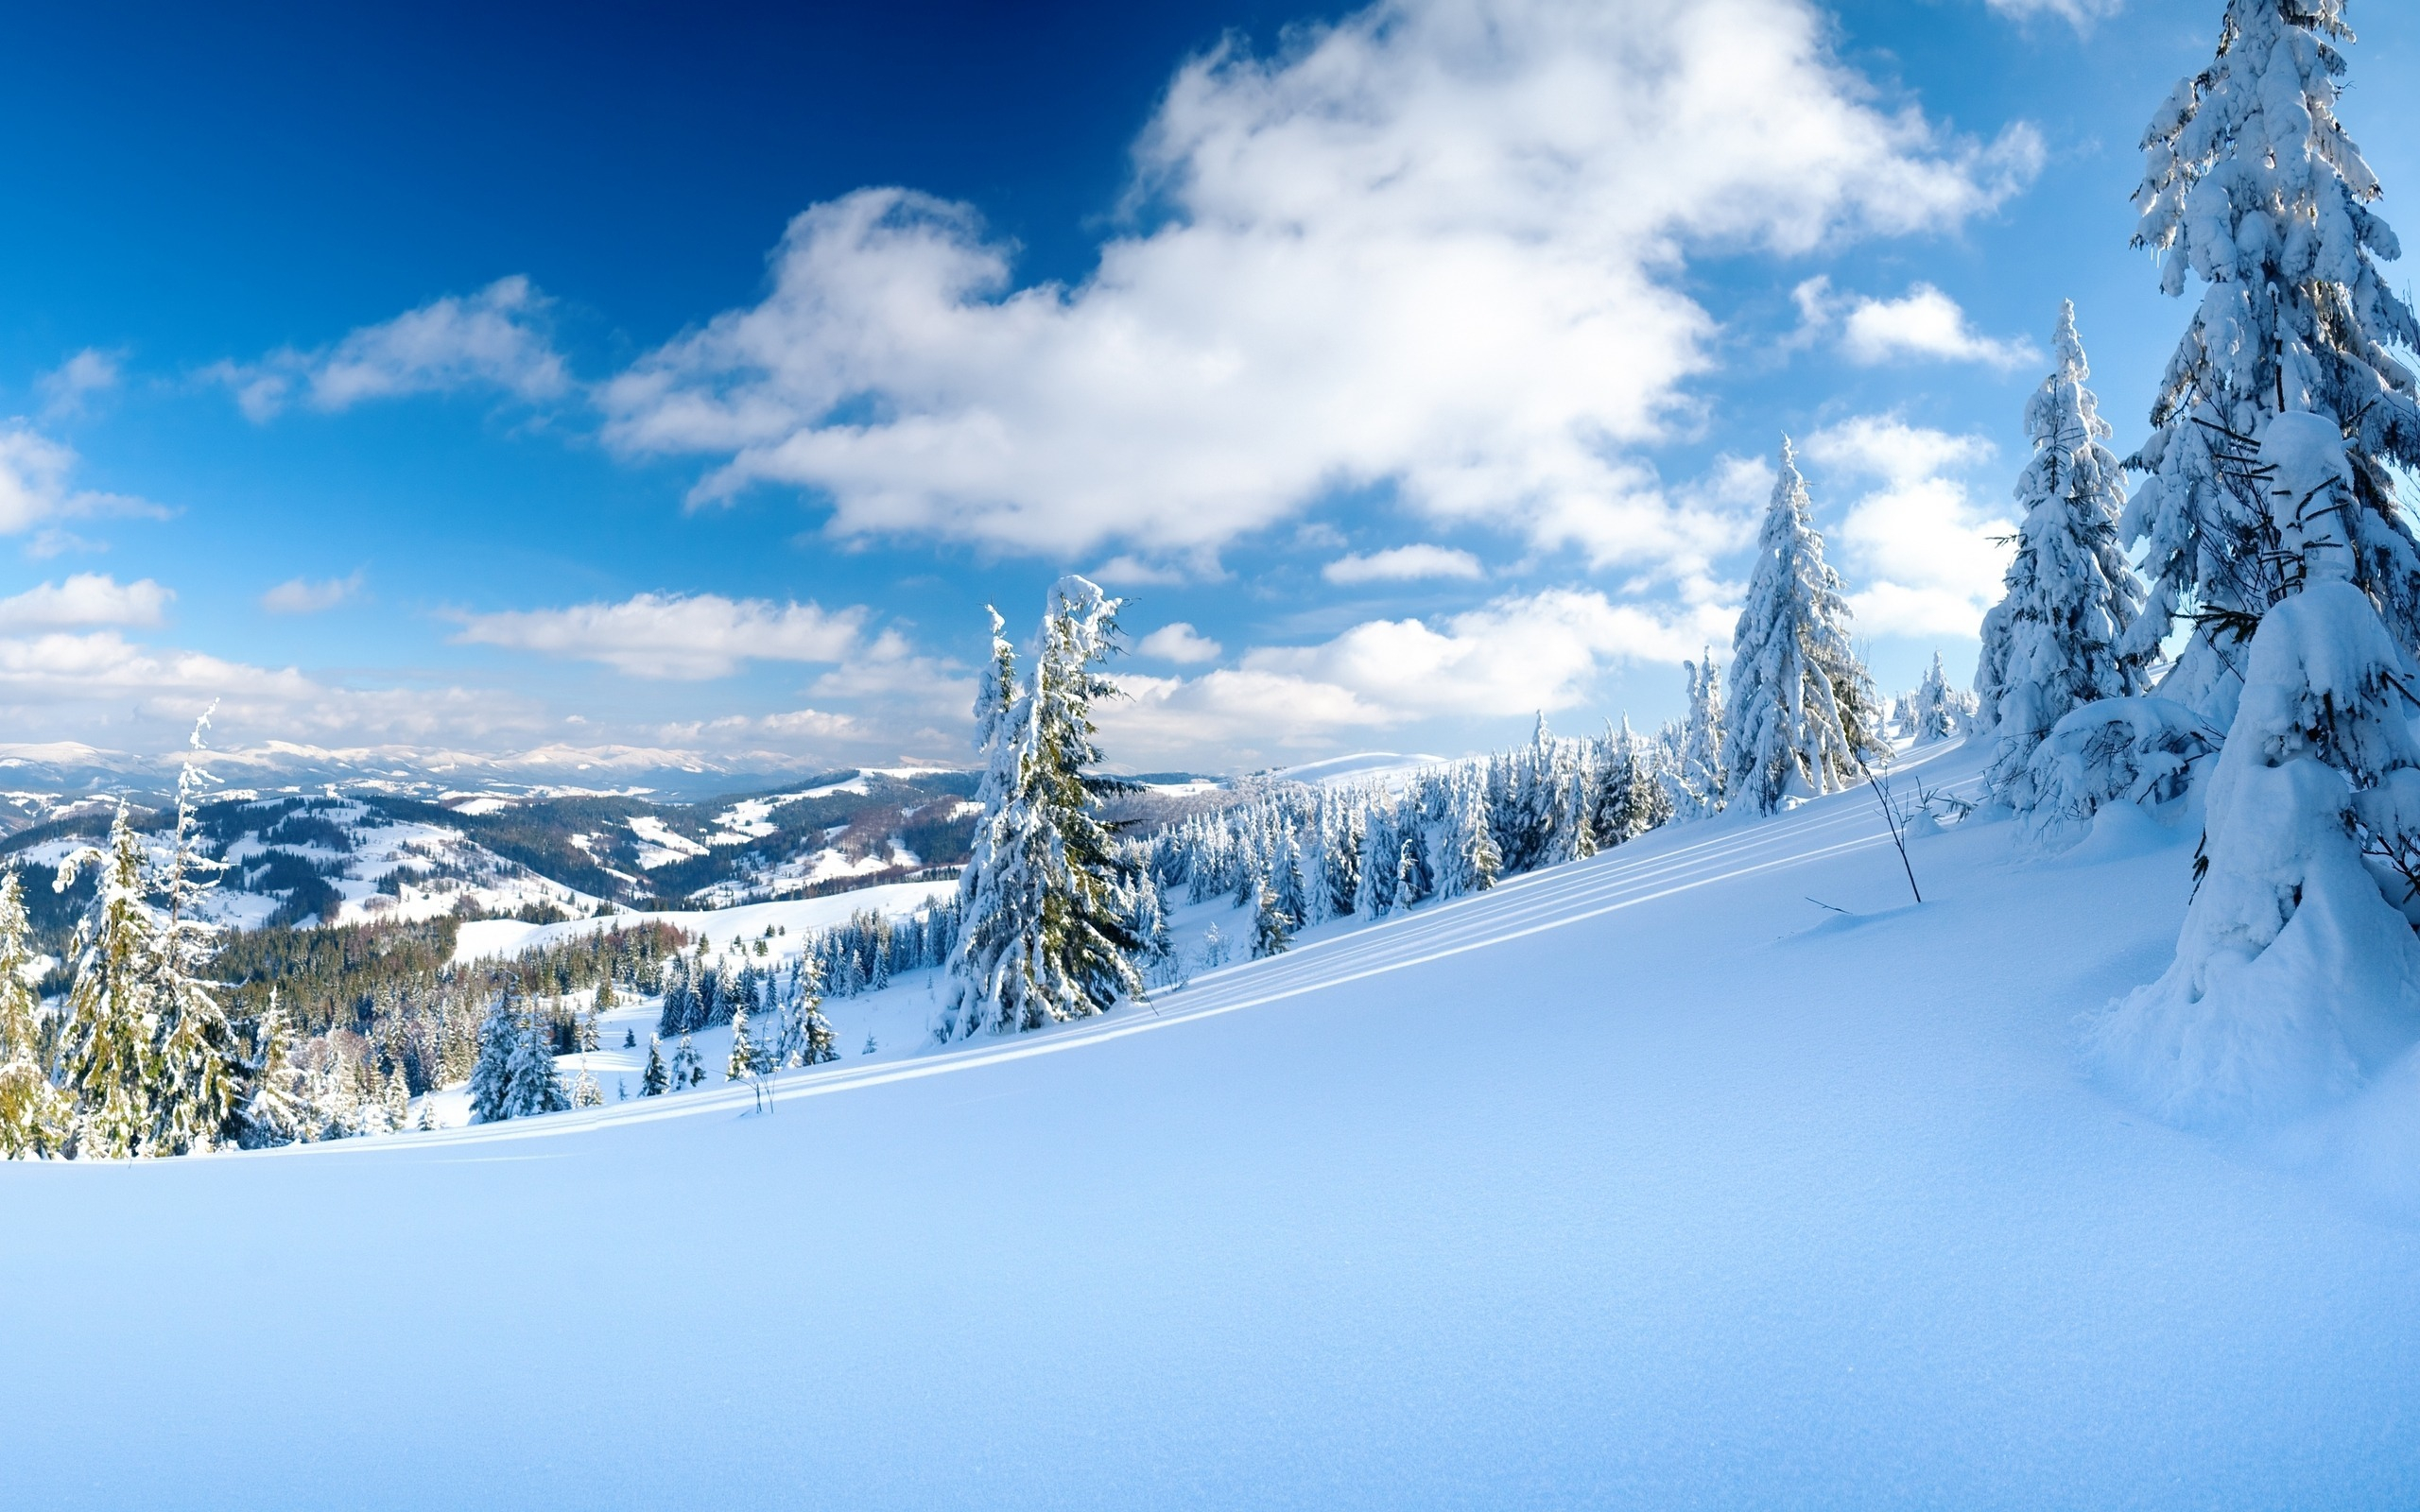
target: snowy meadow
<point>2000,1093</point>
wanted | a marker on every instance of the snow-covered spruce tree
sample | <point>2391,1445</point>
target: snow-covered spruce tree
<point>2050,644</point>
<point>584,1091</point>
<point>534,1086</point>
<point>1273,928</point>
<point>2296,972</point>
<point>806,1034</point>
<point>741,1063</point>
<point>274,1111</point>
<point>492,1077</point>
<point>1044,937</point>
<point>106,1059</point>
<point>1629,798</point>
<point>1936,711</point>
<point>1697,778</point>
<point>654,1081</point>
<point>1803,718</point>
<point>34,1115</point>
<point>688,1069</point>
<point>2251,186</point>
<point>203,1075</point>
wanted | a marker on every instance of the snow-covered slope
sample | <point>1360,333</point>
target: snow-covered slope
<point>1642,1181</point>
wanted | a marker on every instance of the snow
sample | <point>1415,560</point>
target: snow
<point>497,938</point>
<point>658,844</point>
<point>1640,1181</point>
<point>1362,767</point>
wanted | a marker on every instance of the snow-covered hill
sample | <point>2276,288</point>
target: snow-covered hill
<point>1642,1181</point>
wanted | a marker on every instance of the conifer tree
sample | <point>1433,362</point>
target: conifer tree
<point>2050,646</point>
<point>1043,937</point>
<point>1935,710</point>
<point>688,1069</point>
<point>536,1086</point>
<point>106,1056</point>
<point>2296,971</point>
<point>492,1077</point>
<point>1803,718</point>
<point>202,1070</point>
<point>741,1063</point>
<point>655,1079</point>
<point>585,1090</point>
<point>274,1109</point>
<point>807,1039</point>
<point>1699,776</point>
<point>34,1114</point>
<point>2251,186</point>
<point>1272,929</point>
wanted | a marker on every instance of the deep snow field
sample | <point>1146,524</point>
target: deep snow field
<point>1642,1181</point>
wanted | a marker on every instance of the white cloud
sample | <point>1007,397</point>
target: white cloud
<point>674,635</point>
<point>1179,643</point>
<point>1439,245</point>
<point>300,596</point>
<point>1919,553</point>
<point>1540,651</point>
<point>1923,323</point>
<point>84,599</point>
<point>1401,564</point>
<point>65,388</point>
<point>489,340</point>
<point>2079,13</point>
<point>34,488</point>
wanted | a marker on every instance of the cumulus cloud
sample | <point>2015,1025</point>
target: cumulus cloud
<point>67,387</point>
<point>674,635</point>
<point>1179,643</point>
<point>1920,553</point>
<point>35,492</point>
<point>84,599</point>
<point>300,596</point>
<point>1923,323</point>
<point>1538,651</point>
<point>490,339</point>
<point>1403,565</point>
<point>1438,245</point>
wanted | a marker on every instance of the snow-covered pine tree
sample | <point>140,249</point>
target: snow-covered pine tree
<point>1043,937</point>
<point>1803,718</point>
<point>1273,928</point>
<point>2052,644</point>
<point>492,1077</point>
<point>1698,778</point>
<point>34,1114</point>
<point>1935,711</point>
<point>274,1109</point>
<point>688,1069</point>
<point>202,1070</point>
<point>106,1057</point>
<point>1629,798</point>
<point>741,1063</point>
<point>2251,186</point>
<point>536,1086</point>
<point>2296,972</point>
<point>585,1090</point>
<point>655,1079</point>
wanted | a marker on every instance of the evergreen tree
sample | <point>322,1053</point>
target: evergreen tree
<point>687,1068</point>
<point>34,1115</point>
<point>106,1054</point>
<point>1272,929</point>
<point>275,1111</point>
<point>1936,711</point>
<point>655,1079</point>
<point>742,1061</point>
<point>1803,718</point>
<point>1699,775</point>
<point>585,1090</point>
<point>202,1072</point>
<point>492,1077</point>
<point>1043,937</point>
<point>536,1086</point>
<point>806,1034</point>
<point>2052,644</point>
<point>2251,186</point>
<point>2296,971</point>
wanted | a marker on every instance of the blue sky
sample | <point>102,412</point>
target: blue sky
<point>615,379</point>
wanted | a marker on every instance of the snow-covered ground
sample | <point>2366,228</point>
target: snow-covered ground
<point>1642,1181</point>
<point>488,937</point>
